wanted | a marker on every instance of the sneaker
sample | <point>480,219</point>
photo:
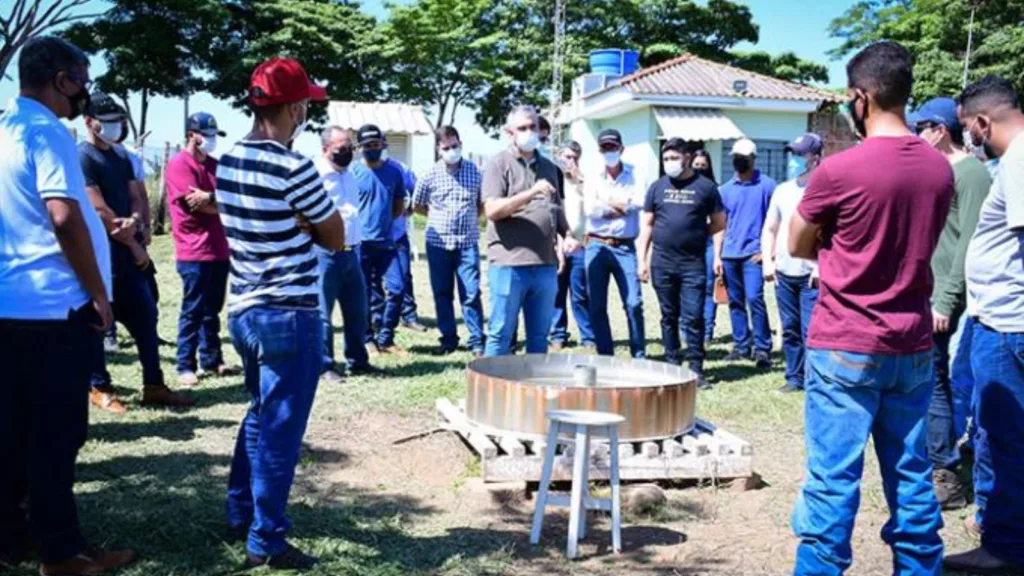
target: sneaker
<point>980,561</point>
<point>367,370</point>
<point>736,356</point>
<point>95,561</point>
<point>415,326</point>
<point>291,559</point>
<point>188,379</point>
<point>974,529</point>
<point>109,344</point>
<point>161,395</point>
<point>332,377</point>
<point>556,346</point>
<point>105,399</point>
<point>790,389</point>
<point>221,371</point>
<point>762,360</point>
<point>950,491</point>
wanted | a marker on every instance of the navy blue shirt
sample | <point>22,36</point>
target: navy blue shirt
<point>110,170</point>
<point>378,189</point>
<point>746,204</point>
<point>681,210</point>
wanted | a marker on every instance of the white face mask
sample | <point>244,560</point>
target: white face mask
<point>527,141</point>
<point>110,132</point>
<point>209,144</point>
<point>674,168</point>
<point>611,159</point>
<point>302,125</point>
<point>452,155</point>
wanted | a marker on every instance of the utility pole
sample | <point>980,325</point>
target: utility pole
<point>974,4</point>
<point>556,67</point>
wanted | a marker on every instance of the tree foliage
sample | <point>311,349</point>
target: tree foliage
<point>27,19</point>
<point>787,66</point>
<point>936,33</point>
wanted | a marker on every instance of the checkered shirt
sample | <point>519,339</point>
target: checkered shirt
<point>452,201</point>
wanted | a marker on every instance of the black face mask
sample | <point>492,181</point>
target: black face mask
<point>79,102</point>
<point>342,158</point>
<point>705,172</point>
<point>860,125</point>
<point>742,164</point>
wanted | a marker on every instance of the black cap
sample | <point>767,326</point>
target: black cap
<point>677,144</point>
<point>609,136</point>
<point>103,108</point>
<point>809,143</point>
<point>203,123</point>
<point>369,133</point>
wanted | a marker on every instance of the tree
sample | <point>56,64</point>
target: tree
<point>936,32</point>
<point>787,66</point>
<point>30,18</point>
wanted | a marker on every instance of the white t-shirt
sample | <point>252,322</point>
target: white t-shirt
<point>995,256</point>
<point>780,210</point>
<point>574,213</point>
<point>343,190</point>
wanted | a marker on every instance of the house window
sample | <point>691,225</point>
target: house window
<point>771,159</point>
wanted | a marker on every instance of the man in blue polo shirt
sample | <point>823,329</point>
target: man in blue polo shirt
<point>381,200</point>
<point>746,198</point>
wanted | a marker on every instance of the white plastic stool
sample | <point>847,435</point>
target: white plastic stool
<point>584,424</point>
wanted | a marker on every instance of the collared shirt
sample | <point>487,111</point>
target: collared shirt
<point>344,192</point>
<point>995,256</point>
<point>781,208</point>
<point>527,237</point>
<point>453,201</point>
<point>599,191</point>
<point>746,204</point>
<point>38,162</point>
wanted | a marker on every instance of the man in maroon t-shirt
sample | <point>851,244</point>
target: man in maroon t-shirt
<point>200,248</point>
<point>872,217</point>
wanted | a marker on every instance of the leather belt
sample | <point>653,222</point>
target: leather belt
<point>614,242</point>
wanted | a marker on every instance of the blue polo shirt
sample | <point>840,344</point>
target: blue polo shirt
<point>38,162</point>
<point>746,204</point>
<point>399,227</point>
<point>377,191</point>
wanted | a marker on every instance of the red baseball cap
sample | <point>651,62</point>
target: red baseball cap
<point>282,81</point>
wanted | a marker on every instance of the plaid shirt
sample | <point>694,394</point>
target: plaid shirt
<point>452,201</point>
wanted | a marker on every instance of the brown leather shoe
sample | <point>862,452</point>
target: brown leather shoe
<point>90,562</point>
<point>163,396</point>
<point>105,399</point>
<point>395,350</point>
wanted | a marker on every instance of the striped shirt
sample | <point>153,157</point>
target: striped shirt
<point>261,187</point>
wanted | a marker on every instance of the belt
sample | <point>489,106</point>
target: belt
<point>349,248</point>
<point>609,240</point>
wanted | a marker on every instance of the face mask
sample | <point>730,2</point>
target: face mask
<point>796,167</point>
<point>124,134</point>
<point>981,142</point>
<point>452,155</point>
<point>674,168</point>
<point>373,155</point>
<point>611,159</point>
<point>300,127</point>
<point>109,132</point>
<point>858,123</point>
<point>527,141</point>
<point>742,164</point>
<point>342,158</point>
<point>208,145</point>
<point>79,103</point>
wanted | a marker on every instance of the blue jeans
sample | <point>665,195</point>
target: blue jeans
<point>531,289</point>
<point>44,419</point>
<point>401,265</point>
<point>343,283</point>
<point>461,268</point>
<point>961,378</point>
<point>135,308</point>
<point>942,437</point>
<point>998,362</point>
<point>796,300</point>
<point>710,307</point>
<point>849,397</point>
<point>605,262</point>
<point>572,289</point>
<point>377,260</point>
<point>280,352</point>
<point>203,288</point>
<point>680,293</point>
<point>745,284</point>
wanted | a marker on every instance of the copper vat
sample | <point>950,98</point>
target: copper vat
<point>510,394</point>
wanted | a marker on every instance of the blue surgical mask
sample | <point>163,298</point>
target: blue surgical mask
<point>796,167</point>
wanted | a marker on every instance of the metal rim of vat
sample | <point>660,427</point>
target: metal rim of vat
<point>511,394</point>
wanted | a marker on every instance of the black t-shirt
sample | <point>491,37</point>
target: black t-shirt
<point>111,171</point>
<point>681,210</point>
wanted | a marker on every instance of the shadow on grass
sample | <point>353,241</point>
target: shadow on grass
<point>234,393</point>
<point>732,373</point>
<point>171,429</point>
<point>424,368</point>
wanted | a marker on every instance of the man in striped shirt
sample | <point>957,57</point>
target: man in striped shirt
<point>274,208</point>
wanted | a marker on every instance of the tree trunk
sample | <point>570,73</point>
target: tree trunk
<point>145,111</point>
<point>131,118</point>
<point>441,107</point>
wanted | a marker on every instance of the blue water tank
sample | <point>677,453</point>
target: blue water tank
<point>614,62</point>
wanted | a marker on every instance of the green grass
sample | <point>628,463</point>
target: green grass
<point>154,480</point>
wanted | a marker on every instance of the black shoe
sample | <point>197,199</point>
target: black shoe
<point>415,326</point>
<point>762,360</point>
<point>790,389</point>
<point>736,356</point>
<point>291,559</point>
<point>949,489</point>
<point>368,370</point>
<point>332,377</point>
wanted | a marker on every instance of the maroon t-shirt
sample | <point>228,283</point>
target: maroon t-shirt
<point>881,206</point>
<point>198,237</point>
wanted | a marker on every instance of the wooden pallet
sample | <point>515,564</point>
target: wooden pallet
<point>705,453</point>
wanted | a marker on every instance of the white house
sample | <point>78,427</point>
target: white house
<point>409,133</point>
<point>695,99</point>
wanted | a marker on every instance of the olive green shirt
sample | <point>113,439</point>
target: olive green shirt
<point>972,183</point>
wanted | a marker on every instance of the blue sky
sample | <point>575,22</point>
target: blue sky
<point>785,25</point>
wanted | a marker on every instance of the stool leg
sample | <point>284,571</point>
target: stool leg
<point>585,482</point>
<point>613,435</point>
<point>576,500</point>
<point>545,483</point>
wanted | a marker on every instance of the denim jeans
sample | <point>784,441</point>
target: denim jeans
<point>377,259</point>
<point>280,352</point>
<point>135,308</point>
<point>450,269</point>
<point>681,298</point>
<point>605,262</point>
<point>710,307</point>
<point>942,438</point>
<point>203,288</point>
<point>796,300</point>
<point>403,259</point>
<point>998,362</point>
<point>744,281</point>
<point>531,289</point>
<point>849,397</point>
<point>961,378</point>
<point>343,284</point>
<point>572,290</point>
<point>43,421</point>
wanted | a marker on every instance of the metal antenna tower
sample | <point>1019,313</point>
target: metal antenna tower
<point>556,67</point>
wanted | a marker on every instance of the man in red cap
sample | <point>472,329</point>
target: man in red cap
<point>273,206</point>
